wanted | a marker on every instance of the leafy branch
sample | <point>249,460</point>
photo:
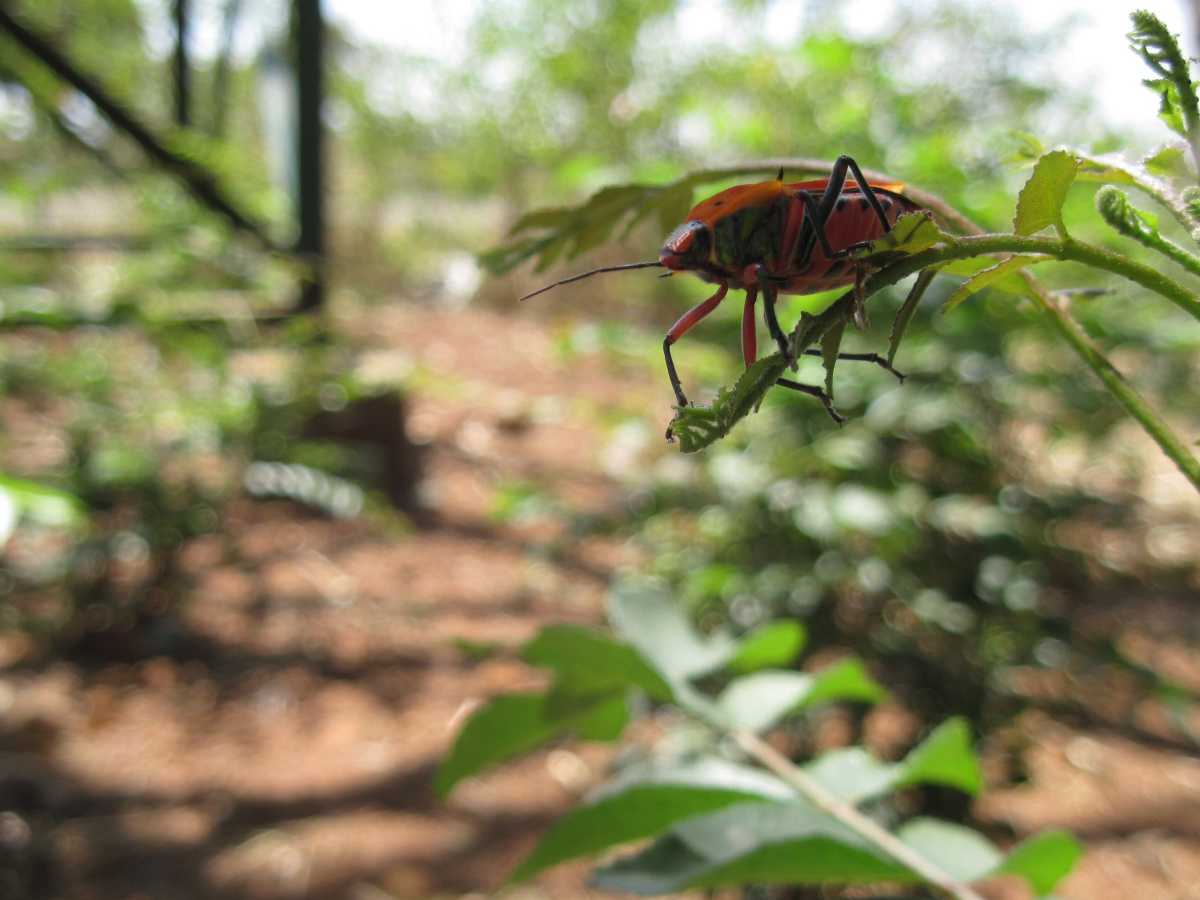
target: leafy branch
<point>916,244</point>
<point>714,820</point>
<point>1178,106</point>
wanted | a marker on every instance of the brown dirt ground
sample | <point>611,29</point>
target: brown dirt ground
<point>288,753</point>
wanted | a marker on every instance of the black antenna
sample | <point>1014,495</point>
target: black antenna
<point>640,265</point>
<point>779,177</point>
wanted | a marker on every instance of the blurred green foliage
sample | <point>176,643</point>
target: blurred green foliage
<point>952,531</point>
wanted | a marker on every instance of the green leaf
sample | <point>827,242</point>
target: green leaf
<point>42,505</point>
<point>757,702</point>
<point>945,757</point>
<point>987,278</point>
<point>793,843</point>
<point>907,309</point>
<point>853,774</point>
<point>964,854</point>
<point>1041,200</point>
<point>751,843</point>
<point>590,663</point>
<point>773,644</point>
<point>968,856</point>
<point>673,205</point>
<point>1168,162</point>
<point>698,426</point>
<point>1104,170</point>
<point>1170,109</point>
<point>644,803</point>
<point>831,343</point>
<point>536,219</point>
<point>845,680</point>
<point>1043,860</point>
<point>601,719</point>
<point>912,233</point>
<point>513,724</point>
<point>1159,49</point>
<point>1028,148</point>
<point>653,623</point>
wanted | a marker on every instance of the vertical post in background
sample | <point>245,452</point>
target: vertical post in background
<point>310,244</point>
<point>183,73</point>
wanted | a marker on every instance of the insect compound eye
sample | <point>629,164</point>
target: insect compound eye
<point>686,247</point>
<point>679,242</point>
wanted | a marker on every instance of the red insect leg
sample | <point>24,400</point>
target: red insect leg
<point>749,333</point>
<point>682,327</point>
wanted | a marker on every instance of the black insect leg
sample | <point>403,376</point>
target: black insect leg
<point>770,293</point>
<point>864,357</point>
<point>833,190</point>
<point>817,392</point>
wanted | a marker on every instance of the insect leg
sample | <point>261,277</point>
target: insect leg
<point>814,391</point>
<point>864,357</point>
<point>680,328</point>
<point>833,190</point>
<point>749,336</point>
<point>769,294</point>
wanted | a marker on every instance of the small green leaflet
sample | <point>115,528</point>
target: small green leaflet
<point>831,343</point>
<point>698,426</point>
<point>987,277</point>
<point>781,843</point>
<point>651,621</point>
<point>772,644</point>
<point>904,316</point>
<point>1040,203</point>
<point>513,724</point>
<point>645,802</point>
<point>945,758</point>
<point>1168,162</point>
<point>792,843</point>
<point>912,233</point>
<point>589,663</point>
<point>759,701</point>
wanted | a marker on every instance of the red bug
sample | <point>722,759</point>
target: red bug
<point>775,238</point>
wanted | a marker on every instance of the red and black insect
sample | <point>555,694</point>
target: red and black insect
<point>775,238</point>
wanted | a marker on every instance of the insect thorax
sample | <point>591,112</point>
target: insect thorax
<point>749,235</point>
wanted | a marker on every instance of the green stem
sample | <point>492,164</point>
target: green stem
<point>1158,429</point>
<point>1067,328</point>
<point>1067,249</point>
<point>1153,188</point>
<point>978,243</point>
<point>848,815</point>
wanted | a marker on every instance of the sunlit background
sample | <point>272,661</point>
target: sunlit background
<point>264,546</point>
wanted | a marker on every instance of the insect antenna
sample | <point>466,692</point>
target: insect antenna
<point>580,277</point>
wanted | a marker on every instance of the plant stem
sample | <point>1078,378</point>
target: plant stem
<point>1067,249</point>
<point>1152,187</point>
<point>1170,443</point>
<point>849,816</point>
<point>1074,335</point>
<point>977,242</point>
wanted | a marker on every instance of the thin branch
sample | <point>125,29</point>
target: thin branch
<point>1070,330</point>
<point>198,180</point>
<point>849,816</point>
<point>1068,250</point>
<point>1154,188</point>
